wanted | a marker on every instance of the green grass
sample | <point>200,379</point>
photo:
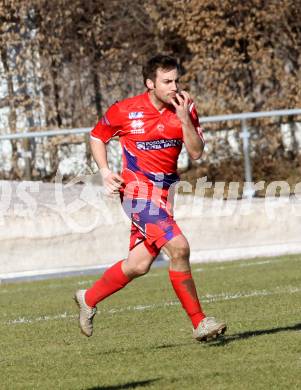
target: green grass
<point>143,339</point>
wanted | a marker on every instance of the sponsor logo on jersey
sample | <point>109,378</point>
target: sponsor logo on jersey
<point>137,131</point>
<point>158,144</point>
<point>137,124</point>
<point>137,127</point>
<point>136,115</point>
<point>160,127</point>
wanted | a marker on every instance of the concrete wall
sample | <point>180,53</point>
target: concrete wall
<point>48,228</point>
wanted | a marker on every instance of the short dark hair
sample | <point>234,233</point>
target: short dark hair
<point>163,61</point>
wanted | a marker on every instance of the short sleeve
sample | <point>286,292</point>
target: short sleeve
<point>195,120</point>
<point>109,125</point>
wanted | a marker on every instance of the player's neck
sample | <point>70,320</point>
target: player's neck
<point>158,104</point>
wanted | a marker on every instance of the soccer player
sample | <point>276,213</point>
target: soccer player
<point>151,128</point>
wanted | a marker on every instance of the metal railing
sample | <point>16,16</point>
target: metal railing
<point>244,134</point>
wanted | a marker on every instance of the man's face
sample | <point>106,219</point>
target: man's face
<point>166,85</point>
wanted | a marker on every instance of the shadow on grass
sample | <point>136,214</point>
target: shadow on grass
<point>246,335</point>
<point>176,345</point>
<point>139,349</point>
<point>129,385</point>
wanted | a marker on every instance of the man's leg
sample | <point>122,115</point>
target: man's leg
<point>114,279</point>
<point>181,278</point>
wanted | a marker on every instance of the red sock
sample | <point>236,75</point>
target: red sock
<point>184,287</point>
<point>111,281</point>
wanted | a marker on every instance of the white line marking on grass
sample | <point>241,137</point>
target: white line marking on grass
<point>256,293</point>
<point>204,299</point>
<point>85,282</point>
<point>245,264</point>
<point>23,320</point>
<point>142,307</point>
<point>258,263</point>
<point>49,286</point>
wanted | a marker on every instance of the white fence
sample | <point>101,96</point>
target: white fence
<point>244,134</point>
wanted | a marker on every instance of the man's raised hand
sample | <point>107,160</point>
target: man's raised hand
<point>181,105</point>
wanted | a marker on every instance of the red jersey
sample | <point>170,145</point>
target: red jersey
<point>151,140</point>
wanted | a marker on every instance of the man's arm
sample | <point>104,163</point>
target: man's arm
<point>194,144</point>
<point>112,181</point>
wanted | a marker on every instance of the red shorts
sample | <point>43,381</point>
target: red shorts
<point>152,223</point>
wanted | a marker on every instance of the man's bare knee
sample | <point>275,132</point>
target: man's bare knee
<point>142,268</point>
<point>135,269</point>
<point>138,262</point>
<point>181,253</point>
<point>178,248</point>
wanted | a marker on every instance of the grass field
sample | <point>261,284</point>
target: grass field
<point>143,339</point>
